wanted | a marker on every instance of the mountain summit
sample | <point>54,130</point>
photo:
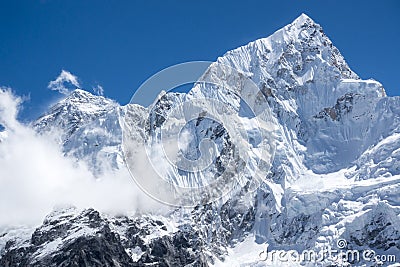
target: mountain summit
<point>334,176</point>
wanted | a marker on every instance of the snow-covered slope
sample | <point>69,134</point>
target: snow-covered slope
<point>335,172</point>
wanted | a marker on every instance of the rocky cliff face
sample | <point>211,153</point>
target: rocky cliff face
<point>334,175</point>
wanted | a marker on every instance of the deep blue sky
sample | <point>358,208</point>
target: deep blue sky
<point>119,44</point>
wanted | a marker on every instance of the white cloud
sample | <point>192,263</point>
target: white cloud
<point>65,82</point>
<point>35,176</point>
<point>9,105</point>
<point>98,90</point>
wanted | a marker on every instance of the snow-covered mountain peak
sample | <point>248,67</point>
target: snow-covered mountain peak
<point>79,93</point>
<point>300,44</point>
<point>300,20</point>
<point>304,77</point>
<point>77,109</point>
<point>83,100</point>
<point>301,23</point>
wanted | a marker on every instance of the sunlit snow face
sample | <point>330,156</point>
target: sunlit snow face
<point>198,147</point>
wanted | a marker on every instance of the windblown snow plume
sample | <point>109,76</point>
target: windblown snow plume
<point>64,83</point>
<point>98,90</point>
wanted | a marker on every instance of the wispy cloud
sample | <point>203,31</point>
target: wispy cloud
<point>98,90</point>
<point>65,82</point>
